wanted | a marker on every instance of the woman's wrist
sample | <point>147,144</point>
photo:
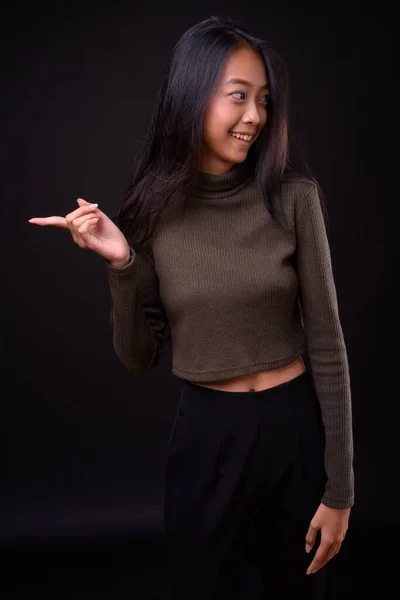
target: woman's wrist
<point>119,264</point>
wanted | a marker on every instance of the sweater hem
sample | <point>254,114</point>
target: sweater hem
<point>237,371</point>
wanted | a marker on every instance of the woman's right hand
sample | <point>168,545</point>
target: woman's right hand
<point>92,229</point>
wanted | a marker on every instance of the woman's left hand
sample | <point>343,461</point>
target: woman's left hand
<point>333,523</point>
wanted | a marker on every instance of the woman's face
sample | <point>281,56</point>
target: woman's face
<point>235,107</point>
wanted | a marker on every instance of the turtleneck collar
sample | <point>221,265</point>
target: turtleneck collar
<point>210,185</point>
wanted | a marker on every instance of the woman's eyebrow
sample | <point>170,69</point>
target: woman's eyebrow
<point>244,82</point>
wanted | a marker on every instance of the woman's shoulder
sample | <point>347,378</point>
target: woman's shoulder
<point>302,192</point>
<point>298,189</point>
<point>293,179</point>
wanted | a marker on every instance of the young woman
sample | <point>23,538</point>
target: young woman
<point>220,245</point>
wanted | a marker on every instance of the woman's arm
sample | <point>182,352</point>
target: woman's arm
<point>140,326</point>
<point>326,346</point>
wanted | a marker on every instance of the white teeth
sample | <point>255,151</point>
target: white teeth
<point>246,138</point>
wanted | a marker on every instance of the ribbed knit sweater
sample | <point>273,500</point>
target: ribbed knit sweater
<point>238,294</point>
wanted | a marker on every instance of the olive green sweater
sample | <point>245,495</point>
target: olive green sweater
<point>238,294</point>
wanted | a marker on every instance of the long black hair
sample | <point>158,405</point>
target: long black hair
<point>166,167</point>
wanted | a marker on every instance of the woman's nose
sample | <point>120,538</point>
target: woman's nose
<point>252,115</point>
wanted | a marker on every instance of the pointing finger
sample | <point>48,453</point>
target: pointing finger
<point>55,221</point>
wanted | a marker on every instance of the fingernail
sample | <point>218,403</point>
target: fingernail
<point>308,548</point>
<point>93,204</point>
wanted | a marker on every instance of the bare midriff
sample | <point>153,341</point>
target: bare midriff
<point>255,382</point>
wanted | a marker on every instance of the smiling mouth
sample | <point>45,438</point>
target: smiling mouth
<point>243,142</point>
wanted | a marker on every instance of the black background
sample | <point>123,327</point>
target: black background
<point>82,440</point>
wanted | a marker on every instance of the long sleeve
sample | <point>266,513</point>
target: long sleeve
<point>140,326</point>
<point>326,346</point>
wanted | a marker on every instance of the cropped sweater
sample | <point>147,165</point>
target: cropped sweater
<point>236,293</point>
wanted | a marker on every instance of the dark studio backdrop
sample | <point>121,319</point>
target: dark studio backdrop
<point>82,440</point>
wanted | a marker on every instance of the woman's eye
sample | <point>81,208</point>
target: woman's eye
<point>267,96</point>
<point>238,93</point>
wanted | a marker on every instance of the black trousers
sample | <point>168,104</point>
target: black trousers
<point>236,460</point>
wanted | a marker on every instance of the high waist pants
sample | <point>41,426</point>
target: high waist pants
<point>240,459</point>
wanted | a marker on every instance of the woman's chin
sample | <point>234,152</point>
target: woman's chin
<point>238,158</point>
